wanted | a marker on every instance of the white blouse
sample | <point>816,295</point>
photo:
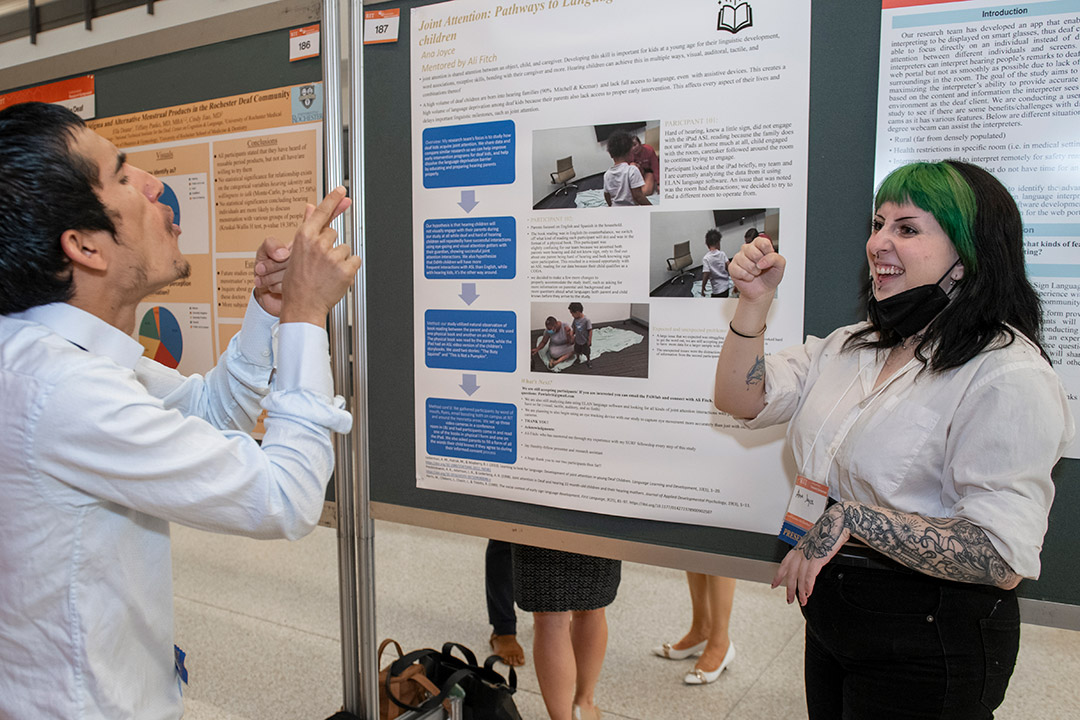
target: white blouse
<point>976,442</point>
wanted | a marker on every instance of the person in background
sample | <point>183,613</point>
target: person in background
<point>559,338</point>
<point>623,182</point>
<point>645,158</point>
<point>102,448</point>
<point>711,598</point>
<point>714,272</point>
<point>499,589</point>
<point>932,427</point>
<point>567,594</point>
<point>582,327</point>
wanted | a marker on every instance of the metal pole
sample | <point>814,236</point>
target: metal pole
<point>340,351</point>
<point>32,10</point>
<point>365,579</point>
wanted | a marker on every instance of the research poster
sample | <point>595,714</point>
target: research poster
<point>998,85</point>
<point>234,171</point>
<point>569,158</point>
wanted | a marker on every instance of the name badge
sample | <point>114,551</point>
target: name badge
<point>808,502</point>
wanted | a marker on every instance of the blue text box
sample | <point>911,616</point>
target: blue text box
<point>470,248</point>
<point>1052,230</point>
<point>1001,12</point>
<point>472,430</point>
<point>1053,271</point>
<point>470,340</point>
<point>463,155</point>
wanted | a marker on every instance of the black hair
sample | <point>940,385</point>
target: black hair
<point>750,234</point>
<point>550,322</point>
<point>994,297</point>
<point>619,144</point>
<point>46,188</point>
<point>712,238</point>
<point>576,307</point>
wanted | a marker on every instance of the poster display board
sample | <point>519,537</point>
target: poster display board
<point>234,170</point>
<point>999,86</point>
<point>514,110</point>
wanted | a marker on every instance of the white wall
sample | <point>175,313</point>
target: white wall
<point>772,225</point>
<point>597,312</point>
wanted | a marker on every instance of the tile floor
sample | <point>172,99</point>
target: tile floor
<point>259,621</point>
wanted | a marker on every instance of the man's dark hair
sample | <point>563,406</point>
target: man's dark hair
<point>46,188</point>
<point>712,238</point>
<point>619,144</point>
<point>576,307</point>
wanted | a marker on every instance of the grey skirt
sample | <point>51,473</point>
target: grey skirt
<point>556,581</point>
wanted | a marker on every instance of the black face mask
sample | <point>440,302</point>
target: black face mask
<point>908,312</point>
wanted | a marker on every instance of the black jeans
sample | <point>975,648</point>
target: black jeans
<point>884,644</point>
<point>499,584</point>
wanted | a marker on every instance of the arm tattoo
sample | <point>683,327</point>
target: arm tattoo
<point>756,373</point>
<point>948,548</point>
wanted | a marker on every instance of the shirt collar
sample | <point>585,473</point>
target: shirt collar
<point>87,331</point>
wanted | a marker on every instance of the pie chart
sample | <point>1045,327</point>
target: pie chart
<point>168,197</point>
<point>160,336</point>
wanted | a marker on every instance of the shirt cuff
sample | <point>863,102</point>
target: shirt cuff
<point>256,334</point>
<point>303,361</point>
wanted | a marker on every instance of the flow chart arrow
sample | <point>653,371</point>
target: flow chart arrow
<point>468,200</point>
<point>468,384</point>
<point>468,293</point>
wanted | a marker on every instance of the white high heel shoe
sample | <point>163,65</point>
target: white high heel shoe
<point>703,677</point>
<point>667,651</point>
<point>579,715</point>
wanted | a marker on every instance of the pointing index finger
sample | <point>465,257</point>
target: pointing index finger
<point>331,206</point>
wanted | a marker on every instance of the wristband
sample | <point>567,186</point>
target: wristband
<point>744,335</point>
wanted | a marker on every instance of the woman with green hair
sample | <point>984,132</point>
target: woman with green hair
<point>924,439</point>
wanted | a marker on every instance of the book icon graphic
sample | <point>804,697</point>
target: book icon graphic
<point>734,18</point>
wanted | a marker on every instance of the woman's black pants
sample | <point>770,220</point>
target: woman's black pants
<point>883,644</point>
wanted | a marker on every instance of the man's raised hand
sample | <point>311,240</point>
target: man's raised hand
<point>318,273</point>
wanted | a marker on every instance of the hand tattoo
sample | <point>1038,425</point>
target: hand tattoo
<point>820,540</point>
<point>756,373</point>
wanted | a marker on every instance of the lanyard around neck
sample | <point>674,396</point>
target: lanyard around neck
<point>863,406</point>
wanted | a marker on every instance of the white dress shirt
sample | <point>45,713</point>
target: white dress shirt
<point>976,442</point>
<point>100,449</point>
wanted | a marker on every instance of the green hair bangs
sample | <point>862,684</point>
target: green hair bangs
<point>940,190</point>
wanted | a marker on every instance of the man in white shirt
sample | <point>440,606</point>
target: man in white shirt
<point>101,448</point>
